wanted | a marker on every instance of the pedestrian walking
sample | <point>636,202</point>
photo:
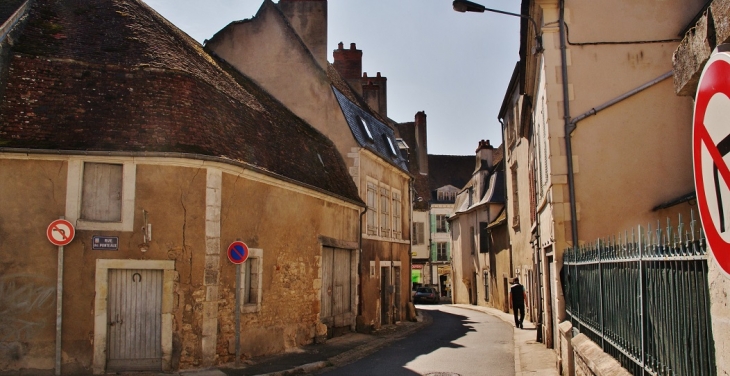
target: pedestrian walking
<point>517,301</point>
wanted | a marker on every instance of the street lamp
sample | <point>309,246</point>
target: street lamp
<point>468,6</point>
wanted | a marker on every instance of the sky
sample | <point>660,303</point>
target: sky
<point>454,66</point>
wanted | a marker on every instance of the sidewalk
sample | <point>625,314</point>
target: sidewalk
<point>531,357</point>
<point>336,352</point>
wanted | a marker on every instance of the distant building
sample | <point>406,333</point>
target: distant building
<point>481,257</point>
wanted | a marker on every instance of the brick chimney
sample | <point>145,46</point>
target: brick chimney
<point>421,142</point>
<point>309,20</point>
<point>374,91</point>
<point>349,64</point>
<point>485,155</point>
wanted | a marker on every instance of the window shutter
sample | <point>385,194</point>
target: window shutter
<point>448,226</point>
<point>433,223</point>
<point>448,251</point>
<point>434,256</point>
<point>483,237</point>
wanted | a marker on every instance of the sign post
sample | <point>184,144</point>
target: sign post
<point>238,254</point>
<point>60,232</point>
<point>710,147</point>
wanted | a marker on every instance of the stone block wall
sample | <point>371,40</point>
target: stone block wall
<point>710,30</point>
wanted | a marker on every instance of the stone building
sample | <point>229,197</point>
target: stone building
<point>117,121</point>
<point>283,48</point>
<point>608,147</point>
<point>481,259</point>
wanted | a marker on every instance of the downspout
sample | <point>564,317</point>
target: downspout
<point>566,117</point>
<point>359,261</point>
<point>410,253</point>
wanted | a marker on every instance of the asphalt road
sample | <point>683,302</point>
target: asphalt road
<point>459,342</point>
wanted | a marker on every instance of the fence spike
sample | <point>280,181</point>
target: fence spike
<point>680,228</point>
<point>658,233</point>
<point>669,233</point>
<point>692,223</point>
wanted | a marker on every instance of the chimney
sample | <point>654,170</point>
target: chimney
<point>349,64</point>
<point>374,91</point>
<point>309,20</point>
<point>421,144</point>
<point>485,155</point>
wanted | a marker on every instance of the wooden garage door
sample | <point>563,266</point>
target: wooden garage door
<point>134,321</point>
<point>336,287</point>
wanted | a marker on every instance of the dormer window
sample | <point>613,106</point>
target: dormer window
<point>390,144</point>
<point>365,128</point>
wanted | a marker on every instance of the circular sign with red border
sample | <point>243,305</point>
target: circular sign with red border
<point>238,252</point>
<point>60,232</point>
<point>711,155</point>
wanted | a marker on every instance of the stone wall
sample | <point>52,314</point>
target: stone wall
<point>710,30</point>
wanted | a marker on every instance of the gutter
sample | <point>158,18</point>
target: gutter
<point>566,117</point>
<point>9,25</point>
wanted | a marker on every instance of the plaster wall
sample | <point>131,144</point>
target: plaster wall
<point>281,219</point>
<point>286,69</point>
<point>421,251</point>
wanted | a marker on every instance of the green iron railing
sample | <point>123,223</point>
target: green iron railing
<point>644,298</point>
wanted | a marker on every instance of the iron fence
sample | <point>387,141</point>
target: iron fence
<point>643,297</point>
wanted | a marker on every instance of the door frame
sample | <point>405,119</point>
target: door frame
<point>101,307</point>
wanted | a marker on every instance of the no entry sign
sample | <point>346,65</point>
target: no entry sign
<point>711,154</point>
<point>60,232</point>
<point>238,252</point>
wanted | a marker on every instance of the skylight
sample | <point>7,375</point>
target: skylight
<point>390,143</point>
<point>364,125</point>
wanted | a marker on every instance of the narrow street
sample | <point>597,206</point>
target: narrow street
<point>458,342</point>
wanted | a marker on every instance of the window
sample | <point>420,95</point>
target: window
<point>390,144</point>
<point>484,237</point>
<point>372,214</point>
<point>515,197</point>
<point>441,225</point>
<point>418,233</point>
<point>441,254</point>
<point>251,282</point>
<point>397,225</point>
<point>384,212</point>
<point>365,128</point>
<point>101,194</point>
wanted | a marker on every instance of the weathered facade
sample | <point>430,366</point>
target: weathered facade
<point>116,120</point>
<point>481,259</point>
<point>279,55</point>
<point>609,137</point>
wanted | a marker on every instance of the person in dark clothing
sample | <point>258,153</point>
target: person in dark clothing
<point>517,301</point>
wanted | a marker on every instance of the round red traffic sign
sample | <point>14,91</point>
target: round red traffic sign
<point>711,155</point>
<point>238,252</point>
<point>60,232</point>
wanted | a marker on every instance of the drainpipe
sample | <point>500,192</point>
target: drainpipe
<point>359,262</point>
<point>595,110</point>
<point>566,117</point>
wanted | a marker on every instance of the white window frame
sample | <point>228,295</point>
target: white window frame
<point>385,213</point>
<point>397,210</point>
<point>74,188</point>
<point>254,255</point>
<point>372,213</point>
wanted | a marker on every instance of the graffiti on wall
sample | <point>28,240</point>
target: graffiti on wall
<point>25,301</point>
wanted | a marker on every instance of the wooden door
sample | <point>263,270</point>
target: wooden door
<point>385,295</point>
<point>134,320</point>
<point>337,280</point>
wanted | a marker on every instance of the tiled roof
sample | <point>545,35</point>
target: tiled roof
<point>370,132</point>
<point>453,170</point>
<point>113,75</point>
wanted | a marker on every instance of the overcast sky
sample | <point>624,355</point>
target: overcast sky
<point>454,66</point>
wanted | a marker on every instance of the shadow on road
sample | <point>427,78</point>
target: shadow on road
<point>445,330</point>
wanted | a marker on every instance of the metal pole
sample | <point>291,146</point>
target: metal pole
<point>238,315</point>
<point>59,309</point>
<point>641,301</point>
